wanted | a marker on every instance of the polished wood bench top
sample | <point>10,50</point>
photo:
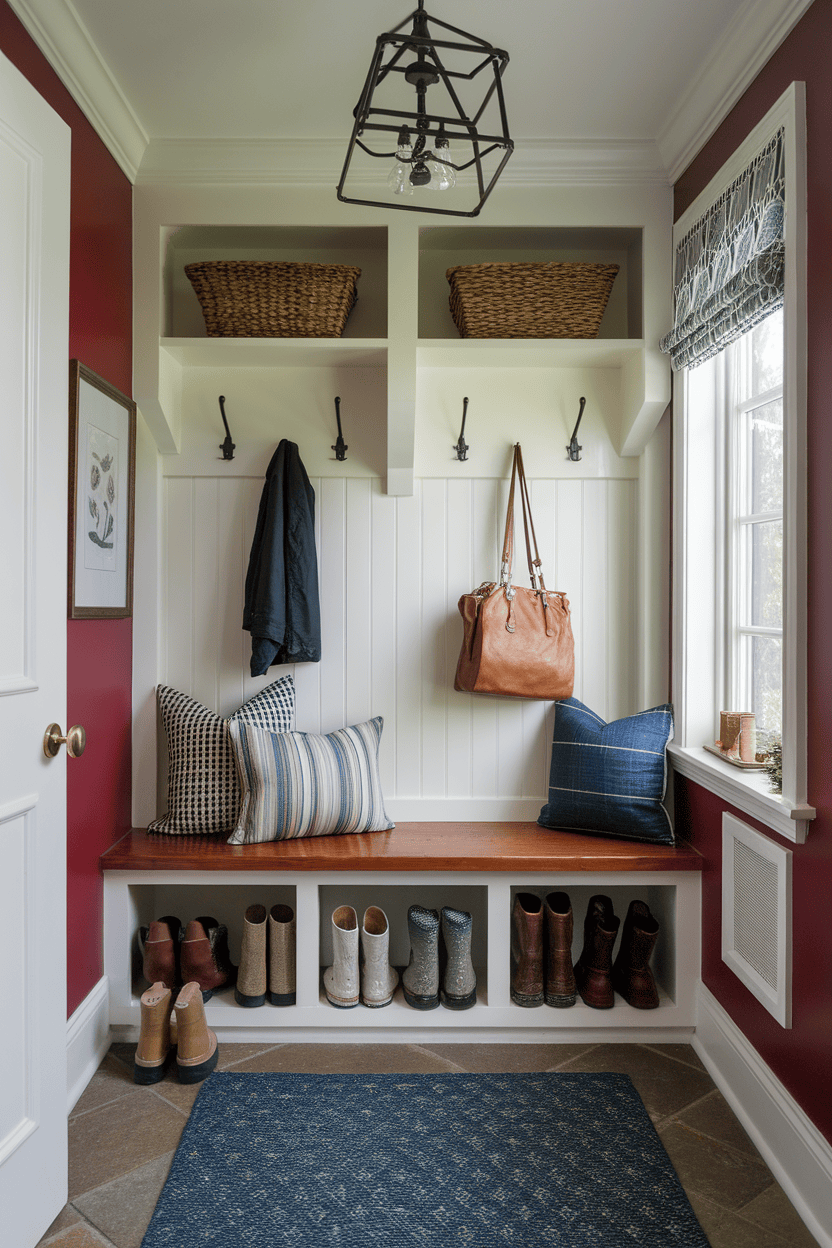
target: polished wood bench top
<point>508,847</point>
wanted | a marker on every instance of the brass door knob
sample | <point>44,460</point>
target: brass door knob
<point>75,740</point>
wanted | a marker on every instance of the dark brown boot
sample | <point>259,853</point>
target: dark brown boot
<point>560,977</point>
<point>593,970</point>
<point>159,947</point>
<point>204,956</point>
<point>631,974</point>
<point>527,950</point>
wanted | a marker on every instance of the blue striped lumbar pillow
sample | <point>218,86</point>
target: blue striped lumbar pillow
<point>609,778</point>
<point>296,784</point>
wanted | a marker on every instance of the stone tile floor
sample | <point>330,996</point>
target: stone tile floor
<point>122,1137</point>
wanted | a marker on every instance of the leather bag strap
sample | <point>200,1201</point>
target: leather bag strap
<point>508,537</point>
<point>535,565</point>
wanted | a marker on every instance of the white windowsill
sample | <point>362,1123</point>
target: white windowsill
<point>746,790</point>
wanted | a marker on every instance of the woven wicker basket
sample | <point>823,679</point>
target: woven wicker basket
<point>274,299</point>
<point>550,300</point>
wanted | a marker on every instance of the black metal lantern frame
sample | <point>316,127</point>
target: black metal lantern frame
<point>429,70</point>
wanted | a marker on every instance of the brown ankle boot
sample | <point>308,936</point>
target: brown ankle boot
<point>153,1051</point>
<point>204,956</point>
<point>159,947</point>
<point>560,977</point>
<point>631,974</point>
<point>593,970</point>
<point>197,1052</point>
<point>527,950</point>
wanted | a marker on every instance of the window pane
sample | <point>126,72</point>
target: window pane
<point>767,457</point>
<point>762,663</point>
<point>766,574</point>
<point>767,353</point>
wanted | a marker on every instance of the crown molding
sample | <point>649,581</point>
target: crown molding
<point>65,42</point>
<point>318,162</point>
<point>752,36</point>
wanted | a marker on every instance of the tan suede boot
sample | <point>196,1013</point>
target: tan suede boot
<point>250,989</point>
<point>282,955</point>
<point>153,1052</point>
<point>197,1052</point>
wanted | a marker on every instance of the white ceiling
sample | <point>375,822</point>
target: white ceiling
<point>648,77</point>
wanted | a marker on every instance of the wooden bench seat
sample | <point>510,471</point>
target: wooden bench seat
<point>505,847</point>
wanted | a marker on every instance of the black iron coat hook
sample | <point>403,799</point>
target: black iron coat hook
<point>227,447</point>
<point>461,447</point>
<point>573,450</point>
<point>340,448</point>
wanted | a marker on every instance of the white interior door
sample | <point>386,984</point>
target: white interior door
<point>34,341</point>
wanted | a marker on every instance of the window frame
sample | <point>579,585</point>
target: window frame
<point>699,653</point>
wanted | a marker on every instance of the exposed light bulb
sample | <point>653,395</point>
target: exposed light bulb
<point>443,176</point>
<point>398,179</point>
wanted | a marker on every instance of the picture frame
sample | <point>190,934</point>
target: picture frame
<point>102,486</point>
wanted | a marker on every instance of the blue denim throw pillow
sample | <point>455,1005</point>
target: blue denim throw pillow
<point>609,778</point>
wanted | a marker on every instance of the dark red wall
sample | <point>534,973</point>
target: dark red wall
<point>99,652</point>
<point>801,1057</point>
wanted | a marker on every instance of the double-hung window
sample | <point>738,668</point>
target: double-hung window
<point>739,583</point>
<point>753,528</point>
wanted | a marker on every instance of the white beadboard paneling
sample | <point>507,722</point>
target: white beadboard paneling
<point>181,595</point>
<point>595,606</point>
<point>307,676</point>
<point>568,518</point>
<point>434,623</point>
<point>408,644</point>
<point>234,645</point>
<point>459,580</point>
<point>391,571</point>
<point>621,588</point>
<point>358,638</point>
<point>206,574</point>
<point>382,610</point>
<point>332,572</point>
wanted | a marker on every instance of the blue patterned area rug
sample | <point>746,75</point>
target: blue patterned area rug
<point>434,1161</point>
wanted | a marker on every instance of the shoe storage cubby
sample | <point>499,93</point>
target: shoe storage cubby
<point>135,898</point>
<point>662,903</point>
<point>395,902</point>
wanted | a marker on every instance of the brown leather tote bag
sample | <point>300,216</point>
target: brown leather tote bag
<point>517,642</point>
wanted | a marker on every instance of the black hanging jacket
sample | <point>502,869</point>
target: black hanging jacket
<point>282,610</point>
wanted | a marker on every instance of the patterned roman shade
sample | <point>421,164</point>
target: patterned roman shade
<point>729,266</point>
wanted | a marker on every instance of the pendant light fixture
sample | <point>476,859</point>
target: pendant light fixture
<point>412,121</point>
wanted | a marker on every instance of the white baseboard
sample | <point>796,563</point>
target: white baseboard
<point>87,1040</point>
<point>798,1155</point>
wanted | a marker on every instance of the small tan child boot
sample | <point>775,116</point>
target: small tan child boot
<point>197,1052</point>
<point>154,1050</point>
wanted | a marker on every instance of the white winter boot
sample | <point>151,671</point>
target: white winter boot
<point>341,979</point>
<point>378,977</point>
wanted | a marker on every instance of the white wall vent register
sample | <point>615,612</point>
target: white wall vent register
<point>757,915</point>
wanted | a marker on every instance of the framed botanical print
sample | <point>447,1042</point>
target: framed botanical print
<point>102,475</point>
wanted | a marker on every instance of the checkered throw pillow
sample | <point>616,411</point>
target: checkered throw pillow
<point>203,789</point>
